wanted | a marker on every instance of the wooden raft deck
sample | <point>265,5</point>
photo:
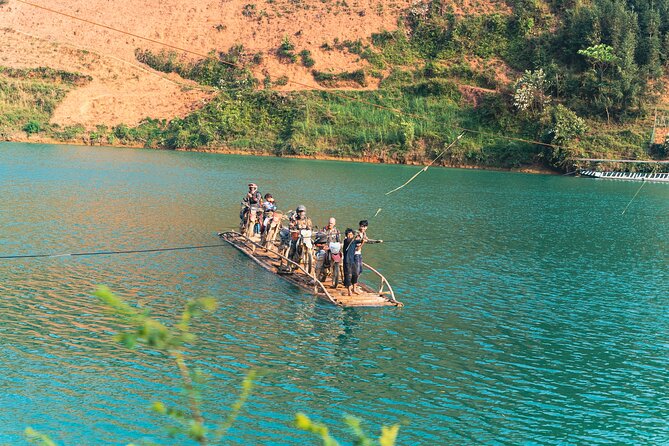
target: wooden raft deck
<point>270,260</point>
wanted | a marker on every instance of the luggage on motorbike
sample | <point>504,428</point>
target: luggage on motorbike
<point>284,235</point>
<point>305,235</point>
<point>321,255</point>
<point>320,238</point>
<point>335,252</point>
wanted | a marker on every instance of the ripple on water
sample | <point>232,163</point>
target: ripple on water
<point>537,316</point>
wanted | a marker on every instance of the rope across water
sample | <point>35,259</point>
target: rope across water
<point>148,250</point>
<point>101,253</point>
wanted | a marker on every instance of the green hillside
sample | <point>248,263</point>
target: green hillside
<point>583,77</point>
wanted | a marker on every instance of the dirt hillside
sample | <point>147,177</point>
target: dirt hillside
<point>120,92</point>
<point>124,91</point>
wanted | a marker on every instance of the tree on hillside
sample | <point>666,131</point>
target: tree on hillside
<point>599,84</point>
<point>530,92</point>
<point>564,128</point>
<point>601,57</point>
<point>610,53</point>
<point>649,50</point>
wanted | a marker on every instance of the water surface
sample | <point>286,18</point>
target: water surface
<point>535,314</point>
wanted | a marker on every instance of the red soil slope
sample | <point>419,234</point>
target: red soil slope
<point>124,91</point>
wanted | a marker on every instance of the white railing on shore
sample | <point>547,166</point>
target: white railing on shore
<point>629,176</point>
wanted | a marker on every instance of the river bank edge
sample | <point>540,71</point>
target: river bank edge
<point>536,169</point>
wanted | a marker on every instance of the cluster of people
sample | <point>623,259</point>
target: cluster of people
<point>331,250</point>
<point>255,201</point>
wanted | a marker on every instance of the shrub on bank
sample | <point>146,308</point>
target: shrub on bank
<point>333,79</point>
<point>32,127</point>
<point>226,70</point>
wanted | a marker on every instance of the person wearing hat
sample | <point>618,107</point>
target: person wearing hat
<point>253,198</point>
<point>269,208</point>
<point>299,220</point>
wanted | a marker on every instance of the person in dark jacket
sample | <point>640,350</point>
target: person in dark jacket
<point>351,270</point>
<point>253,198</point>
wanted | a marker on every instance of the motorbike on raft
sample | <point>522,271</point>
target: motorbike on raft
<point>297,246</point>
<point>331,264</point>
<point>271,230</point>
<point>250,222</point>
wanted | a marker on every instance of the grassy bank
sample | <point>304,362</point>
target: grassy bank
<point>325,125</point>
<point>28,98</point>
<point>554,73</point>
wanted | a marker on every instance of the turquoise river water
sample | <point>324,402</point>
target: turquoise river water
<point>535,314</point>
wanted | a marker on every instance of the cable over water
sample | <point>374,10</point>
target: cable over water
<point>100,253</point>
<point>643,183</point>
<point>424,169</point>
<point>135,251</point>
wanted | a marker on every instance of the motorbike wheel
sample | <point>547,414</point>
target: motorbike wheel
<point>265,239</point>
<point>271,236</point>
<point>295,257</point>
<point>309,262</point>
<point>248,226</point>
<point>335,275</point>
<point>283,250</point>
<point>323,274</point>
<point>244,223</point>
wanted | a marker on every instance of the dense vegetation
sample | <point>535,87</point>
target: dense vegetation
<point>580,75</point>
<point>587,65</point>
<point>225,70</point>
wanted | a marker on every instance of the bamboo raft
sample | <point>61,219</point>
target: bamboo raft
<point>270,260</point>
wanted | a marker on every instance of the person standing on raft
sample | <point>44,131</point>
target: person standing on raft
<point>354,258</point>
<point>350,268</point>
<point>253,198</point>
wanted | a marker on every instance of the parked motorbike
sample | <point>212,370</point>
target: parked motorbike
<point>332,264</point>
<point>303,253</point>
<point>271,230</point>
<point>250,224</point>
